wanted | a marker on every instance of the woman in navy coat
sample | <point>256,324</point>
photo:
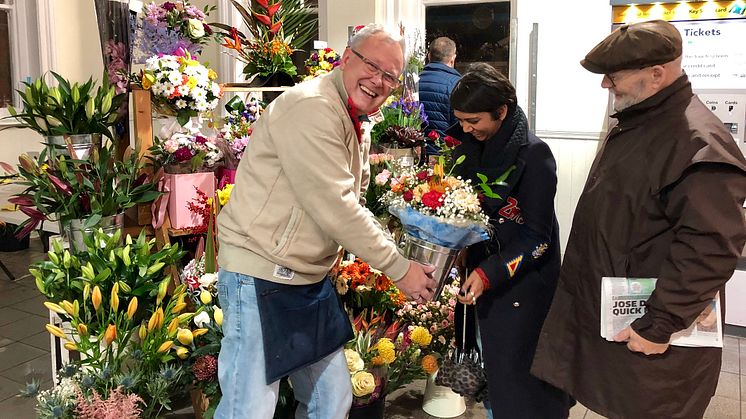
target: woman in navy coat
<point>512,276</point>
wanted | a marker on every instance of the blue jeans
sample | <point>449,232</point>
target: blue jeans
<point>323,389</point>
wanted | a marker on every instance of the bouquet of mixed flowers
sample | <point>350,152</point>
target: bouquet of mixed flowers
<point>437,207</point>
<point>436,317</point>
<point>172,27</point>
<point>186,152</point>
<point>401,125</point>
<point>362,287</point>
<point>382,358</point>
<point>321,62</point>
<point>237,127</point>
<point>181,86</point>
<point>267,51</point>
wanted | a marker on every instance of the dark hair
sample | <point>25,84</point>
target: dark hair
<point>483,89</point>
<point>441,49</point>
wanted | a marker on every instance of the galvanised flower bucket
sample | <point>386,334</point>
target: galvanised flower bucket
<point>82,145</point>
<point>428,253</point>
<point>74,230</point>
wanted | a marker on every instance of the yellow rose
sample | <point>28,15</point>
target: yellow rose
<point>363,383</point>
<point>354,361</point>
<point>421,336</point>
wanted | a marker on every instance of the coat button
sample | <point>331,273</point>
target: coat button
<point>516,304</point>
<point>501,220</point>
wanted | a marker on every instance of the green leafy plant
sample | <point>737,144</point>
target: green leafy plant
<point>486,185</point>
<point>135,268</point>
<point>138,355</point>
<point>68,109</point>
<point>64,189</point>
<point>275,27</point>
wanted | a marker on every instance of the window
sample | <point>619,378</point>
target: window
<point>19,39</point>
<point>481,32</point>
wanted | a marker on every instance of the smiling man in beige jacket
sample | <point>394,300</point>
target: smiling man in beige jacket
<point>297,199</point>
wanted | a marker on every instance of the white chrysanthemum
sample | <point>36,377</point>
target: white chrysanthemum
<point>181,103</point>
<point>198,94</point>
<point>174,77</point>
<point>183,90</point>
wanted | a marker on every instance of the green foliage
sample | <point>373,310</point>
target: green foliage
<point>486,185</point>
<point>84,189</point>
<point>135,267</point>
<point>68,108</point>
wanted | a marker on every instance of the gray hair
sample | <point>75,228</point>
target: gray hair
<point>442,49</point>
<point>372,29</point>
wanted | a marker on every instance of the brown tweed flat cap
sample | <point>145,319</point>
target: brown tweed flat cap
<point>634,46</point>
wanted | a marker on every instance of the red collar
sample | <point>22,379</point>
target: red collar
<point>352,109</point>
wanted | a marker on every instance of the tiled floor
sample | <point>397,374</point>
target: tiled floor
<point>24,355</point>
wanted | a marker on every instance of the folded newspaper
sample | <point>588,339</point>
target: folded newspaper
<point>623,300</point>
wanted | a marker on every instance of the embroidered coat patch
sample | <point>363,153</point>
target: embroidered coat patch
<point>514,264</point>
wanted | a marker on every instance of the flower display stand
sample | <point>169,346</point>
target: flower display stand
<point>442,402</point>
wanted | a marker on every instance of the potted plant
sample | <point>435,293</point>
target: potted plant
<point>69,113</point>
<point>129,332</point>
<point>274,28</point>
<point>82,194</point>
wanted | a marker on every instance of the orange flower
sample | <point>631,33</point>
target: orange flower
<point>430,364</point>
<point>110,334</point>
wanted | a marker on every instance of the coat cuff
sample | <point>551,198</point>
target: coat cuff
<point>654,329</point>
<point>483,277</point>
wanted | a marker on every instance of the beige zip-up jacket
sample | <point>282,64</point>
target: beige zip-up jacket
<point>298,190</point>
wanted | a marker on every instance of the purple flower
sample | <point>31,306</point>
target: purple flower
<point>169,6</point>
<point>200,139</point>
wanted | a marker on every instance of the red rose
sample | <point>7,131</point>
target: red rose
<point>200,139</point>
<point>422,175</point>
<point>433,135</point>
<point>432,199</point>
<point>407,195</point>
<point>451,142</point>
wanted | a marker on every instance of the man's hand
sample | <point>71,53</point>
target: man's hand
<point>418,284</point>
<point>637,343</point>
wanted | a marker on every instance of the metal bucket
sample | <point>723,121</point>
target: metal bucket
<point>82,144</point>
<point>74,230</point>
<point>428,253</point>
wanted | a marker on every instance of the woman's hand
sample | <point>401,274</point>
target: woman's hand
<point>471,289</point>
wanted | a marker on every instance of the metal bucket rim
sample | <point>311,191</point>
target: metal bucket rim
<point>430,246</point>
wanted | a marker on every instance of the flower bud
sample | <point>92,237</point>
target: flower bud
<point>165,346</point>
<point>110,334</point>
<point>114,301</point>
<point>132,308</point>
<point>217,313</point>
<point>68,306</point>
<point>96,297</point>
<point>86,292</point>
<point>178,307</point>
<point>205,297</point>
<point>185,336</point>
<point>54,307</point>
<point>82,329</point>
<point>70,346</point>
<point>173,327</point>
<point>142,332</point>
<point>182,352</point>
<point>199,332</point>
<point>56,331</point>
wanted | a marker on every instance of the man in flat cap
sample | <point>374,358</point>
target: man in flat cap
<point>663,200</point>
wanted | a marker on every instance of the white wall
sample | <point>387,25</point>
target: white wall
<point>336,15</point>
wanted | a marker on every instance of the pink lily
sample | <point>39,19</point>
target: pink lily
<point>22,200</point>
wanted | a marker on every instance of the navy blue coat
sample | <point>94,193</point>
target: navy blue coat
<point>521,261</point>
<point>435,86</point>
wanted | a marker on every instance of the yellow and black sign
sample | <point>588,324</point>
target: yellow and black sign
<point>696,10</point>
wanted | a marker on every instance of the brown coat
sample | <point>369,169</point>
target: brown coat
<point>663,199</point>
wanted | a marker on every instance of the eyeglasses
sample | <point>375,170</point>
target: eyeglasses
<point>389,79</point>
<point>617,76</point>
